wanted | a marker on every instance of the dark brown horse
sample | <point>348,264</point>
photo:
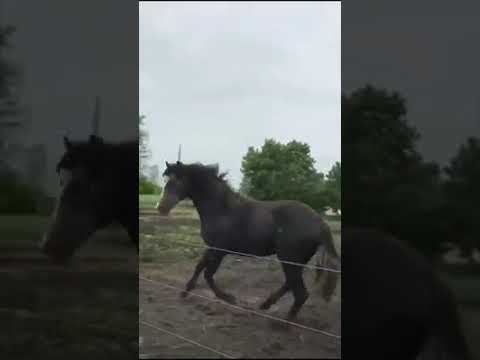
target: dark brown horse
<point>288,228</point>
<point>99,186</point>
<point>397,307</point>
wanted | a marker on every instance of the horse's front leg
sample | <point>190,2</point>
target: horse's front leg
<point>132,231</point>
<point>214,259</point>
<point>198,269</point>
<point>274,297</point>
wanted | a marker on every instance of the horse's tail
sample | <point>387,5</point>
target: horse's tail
<point>447,339</point>
<point>329,251</point>
<point>319,271</point>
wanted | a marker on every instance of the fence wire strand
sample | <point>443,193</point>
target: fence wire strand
<point>187,340</point>
<point>314,267</point>
<point>246,310</point>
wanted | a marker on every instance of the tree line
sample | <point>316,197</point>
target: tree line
<point>388,184</point>
<point>16,196</point>
<point>275,171</point>
<point>145,185</point>
<point>286,171</point>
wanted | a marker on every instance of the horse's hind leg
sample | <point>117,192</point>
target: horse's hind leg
<point>214,259</point>
<point>330,285</point>
<point>198,269</point>
<point>294,275</point>
<point>274,297</point>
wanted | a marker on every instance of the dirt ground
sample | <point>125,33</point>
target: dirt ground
<point>86,310</point>
<point>230,331</point>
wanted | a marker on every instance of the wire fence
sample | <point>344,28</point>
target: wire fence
<point>326,333</point>
<point>236,307</point>
<point>271,259</point>
<point>193,342</point>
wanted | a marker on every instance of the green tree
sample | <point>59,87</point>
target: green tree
<point>322,195</point>
<point>147,187</point>
<point>463,192</point>
<point>388,185</point>
<point>245,186</point>
<point>334,186</point>
<point>8,73</point>
<point>278,171</point>
<point>144,150</point>
<point>286,171</point>
<point>15,197</point>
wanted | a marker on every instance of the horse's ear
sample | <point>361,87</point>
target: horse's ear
<point>67,143</point>
<point>94,139</point>
<point>166,163</point>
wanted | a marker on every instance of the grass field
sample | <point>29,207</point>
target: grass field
<point>179,235</point>
<point>20,230</point>
<point>148,201</point>
<point>87,310</point>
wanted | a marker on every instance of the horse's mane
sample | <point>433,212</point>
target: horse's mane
<point>104,154</point>
<point>205,172</point>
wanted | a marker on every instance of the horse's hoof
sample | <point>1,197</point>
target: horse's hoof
<point>278,325</point>
<point>229,299</point>
<point>265,306</point>
<point>291,318</point>
<point>327,298</point>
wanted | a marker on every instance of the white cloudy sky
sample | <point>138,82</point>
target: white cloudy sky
<point>428,54</point>
<point>219,77</point>
<point>64,69</point>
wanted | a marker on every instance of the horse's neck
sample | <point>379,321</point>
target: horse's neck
<point>211,203</point>
<point>207,208</point>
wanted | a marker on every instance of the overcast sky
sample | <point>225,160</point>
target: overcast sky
<point>70,52</point>
<point>429,53</point>
<point>219,77</point>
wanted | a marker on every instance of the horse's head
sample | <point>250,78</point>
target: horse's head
<point>176,189</point>
<point>85,195</point>
<point>185,181</point>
